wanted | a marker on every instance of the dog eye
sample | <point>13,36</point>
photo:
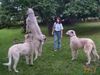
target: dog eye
<point>72,32</point>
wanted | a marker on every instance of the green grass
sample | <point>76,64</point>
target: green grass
<point>52,63</point>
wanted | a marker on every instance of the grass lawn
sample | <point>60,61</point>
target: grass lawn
<point>52,63</point>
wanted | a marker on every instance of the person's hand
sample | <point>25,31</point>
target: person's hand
<point>52,33</point>
<point>61,36</point>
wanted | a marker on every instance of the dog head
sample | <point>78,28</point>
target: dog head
<point>44,38</point>
<point>28,37</point>
<point>30,11</point>
<point>71,33</point>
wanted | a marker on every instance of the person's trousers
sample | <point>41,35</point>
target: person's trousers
<point>57,39</point>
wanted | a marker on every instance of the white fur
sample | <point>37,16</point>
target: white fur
<point>17,50</point>
<point>86,43</point>
<point>38,44</point>
<point>33,27</point>
<point>32,24</point>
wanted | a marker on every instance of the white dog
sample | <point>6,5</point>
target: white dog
<point>38,44</point>
<point>33,27</point>
<point>17,50</point>
<point>86,43</point>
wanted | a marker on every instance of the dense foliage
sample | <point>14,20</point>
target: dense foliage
<point>12,11</point>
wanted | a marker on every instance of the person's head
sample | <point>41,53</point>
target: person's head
<point>58,20</point>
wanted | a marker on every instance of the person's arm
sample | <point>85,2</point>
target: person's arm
<point>61,30</point>
<point>52,31</point>
<point>61,33</point>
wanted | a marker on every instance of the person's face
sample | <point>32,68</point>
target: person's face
<point>58,20</point>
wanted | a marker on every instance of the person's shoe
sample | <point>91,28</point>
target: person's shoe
<point>55,50</point>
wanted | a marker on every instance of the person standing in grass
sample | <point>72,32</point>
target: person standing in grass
<point>57,31</point>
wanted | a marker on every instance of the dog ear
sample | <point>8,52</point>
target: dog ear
<point>28,36</point>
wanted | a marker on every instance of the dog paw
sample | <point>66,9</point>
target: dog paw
<point>31,64</point>
<point>73,59</point>
<point>27,63</point>
<point>16,71</point>
<point>39,54</point>
<point>34,59</point>
<point>87,63</point>
<point>9,69</point>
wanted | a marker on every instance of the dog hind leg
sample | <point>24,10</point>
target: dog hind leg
<point>36,54</point>
<point>88,49</point>
<point>9,63</point>
<point>16,59</point>
<point>95,53</point>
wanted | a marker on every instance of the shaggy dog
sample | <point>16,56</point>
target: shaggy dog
<point>86,43</point>
<point>38,44</point>
<point>17,50</point>
<point>33,27</point>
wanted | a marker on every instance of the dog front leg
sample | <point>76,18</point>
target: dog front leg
<point>88,49</point>
<point>31,57</point>
<point>27,60</point>
<point>40,50</point>
<point>74,54</point>
<point>16,59</point>
<point>36,54</point>
<point>89,58</point>
<point>88,54</point>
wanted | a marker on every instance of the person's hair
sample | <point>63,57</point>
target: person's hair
<point>59,20</point>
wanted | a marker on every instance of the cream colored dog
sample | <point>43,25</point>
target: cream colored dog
<point>33,27</point>
<point>86,43</point>
<point>38,44</point>
<point>17,50</point>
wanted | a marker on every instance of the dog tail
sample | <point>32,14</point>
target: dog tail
<point>10,59</point>
<point>94,52</point>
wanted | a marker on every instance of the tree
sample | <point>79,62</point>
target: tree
<point>11,12</point>
<point>14,10</point>
<point>46,9</point>
<point>81,8</point>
